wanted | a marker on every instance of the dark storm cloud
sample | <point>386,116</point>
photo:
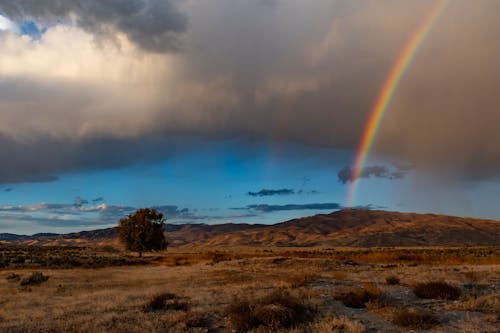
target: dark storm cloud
<point>275,208</point>
<point>276,71</point>
<point>151,24</point>
<point>42,159</point>
<point>266,192</point>
<point>346,174</point>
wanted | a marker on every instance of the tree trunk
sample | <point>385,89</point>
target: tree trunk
<point>140,254</point>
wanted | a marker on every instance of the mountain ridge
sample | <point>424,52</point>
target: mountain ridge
<point>347,227</point>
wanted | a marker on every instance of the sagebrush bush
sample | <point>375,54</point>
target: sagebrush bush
<point>13,277</point>
<point>437,290</point>
<point>392,280</point>
<point>196,319</point>
<point>345,325</point>
<point>164,302</point>
<point>416,318</point>
<point>35,279</point>
<point>357,297</point>
<point>274,311</point>
<point>300,280</point>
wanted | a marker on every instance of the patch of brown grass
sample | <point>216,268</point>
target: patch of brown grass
<point>35,279</point>
<point>392,280</point>
<point>300,280</point>
<point>165,302</point>
<point>342,324</point>
<point>486,303</point>
<point>357,297</point>
<point>416,318</point>
<point>277,310</point>
<point>13,277</point>
<point>437,290</point>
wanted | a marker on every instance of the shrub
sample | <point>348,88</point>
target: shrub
<point>274,311</point>
<point>241,315</point>
<point>275,316</point>
<point>35,279</point>
<point>392,280</point>
<point>13,277</point>
<point>359,297</point>
<point>437,290</point>
<point>164,302</point>
<point>301,280</point>
<point>416,318</point>
<point>344,324</point>
<point>197,320</point>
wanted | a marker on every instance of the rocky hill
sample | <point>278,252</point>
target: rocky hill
<point>348,227</point>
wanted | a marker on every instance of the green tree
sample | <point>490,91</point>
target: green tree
<point>143,231</point>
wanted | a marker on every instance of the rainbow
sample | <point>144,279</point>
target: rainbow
<point>387,92</point>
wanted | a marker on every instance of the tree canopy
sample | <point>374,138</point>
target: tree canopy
<point>143,231</point>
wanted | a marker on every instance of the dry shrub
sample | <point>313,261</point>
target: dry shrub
<point>275,316</point>
<point>340,324</point>
<point>35,279</point>
<point>300,280</point>
<point>416,318</point>
<point>13,277</point>
<point>218,257</point>
<point>241,315</point>
<point>164,302</point>
<point>437,290</point>
<point>346,325</point>
<point>486,304</point>
<point>357,297</point>
<point>392,280</point>
<point>197,319</point>
<point>472,276</point>
<point>274,311</point>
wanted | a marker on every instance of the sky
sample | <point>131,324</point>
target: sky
<point>242,111</point>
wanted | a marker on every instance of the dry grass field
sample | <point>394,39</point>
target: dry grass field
<point>251,290</point>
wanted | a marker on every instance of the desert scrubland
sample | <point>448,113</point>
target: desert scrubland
<point>251,289</point>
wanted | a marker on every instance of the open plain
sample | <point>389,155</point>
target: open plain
<point>255,289</point>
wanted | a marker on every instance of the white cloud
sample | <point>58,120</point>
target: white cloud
<point>6,24</point>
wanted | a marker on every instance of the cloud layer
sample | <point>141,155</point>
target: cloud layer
<point>267,192</point>
<point>150,24</point>
<point>273,71</point>
<point>265,208</point>
<point>398,171</point>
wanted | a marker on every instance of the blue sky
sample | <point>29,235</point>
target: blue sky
<point>212,185</point>
<point>241,111</point>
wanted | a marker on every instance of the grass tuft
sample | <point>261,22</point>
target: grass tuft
<point>437,290</point>
<point>357,297</point>
<point>392,280</point>
<point>35,279</point>
<point>13,277</point>
<point>275,311</point>
<point>416,318</point>
<point>164,302</point>
<point>301,280</point>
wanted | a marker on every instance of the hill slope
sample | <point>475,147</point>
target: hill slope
<point>349,227</point>
<point>370,228</point>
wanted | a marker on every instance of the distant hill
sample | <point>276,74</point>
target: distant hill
<point>355,227</point>
<point>348,227</point>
